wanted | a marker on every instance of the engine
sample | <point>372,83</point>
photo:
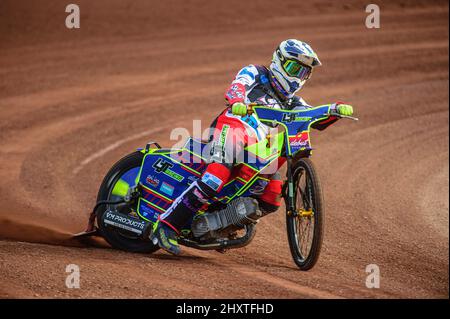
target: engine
<point>238,213</point>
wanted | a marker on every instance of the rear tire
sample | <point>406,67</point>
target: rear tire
<point>311,198</point>
<point>116,237</point>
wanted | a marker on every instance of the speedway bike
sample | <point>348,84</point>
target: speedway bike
<point>143,185</point>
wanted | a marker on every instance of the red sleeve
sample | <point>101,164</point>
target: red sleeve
<point>325,123</point>
<point>236,93</point>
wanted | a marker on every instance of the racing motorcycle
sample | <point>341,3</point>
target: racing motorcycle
<point>143,185</point>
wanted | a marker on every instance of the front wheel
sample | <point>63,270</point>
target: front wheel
<point>305,224</point>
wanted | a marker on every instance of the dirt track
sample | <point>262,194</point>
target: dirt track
<point>74,101</point>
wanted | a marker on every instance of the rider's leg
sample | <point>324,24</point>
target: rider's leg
<point>270,200</point>
<point>193,199</point>
<point>227,140</point>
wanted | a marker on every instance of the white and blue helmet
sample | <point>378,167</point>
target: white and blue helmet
<point>292,65</point>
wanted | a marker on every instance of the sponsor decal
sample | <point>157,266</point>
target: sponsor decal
<point>167,188</point>
<point>303,119</point>
<point>288,117</point>
<point>300,140</point>
<point>135,226</point>
<point>212,181</point>
<point>223,135</point>
<point>217,152</point>
<point>298,143</point>
<point>292,117</point>
<point>161,165</point>
<point>152,180</point>
<point>173,175</point>
<point>145,210</point>
<point>236,91</point>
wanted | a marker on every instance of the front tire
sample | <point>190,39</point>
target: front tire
<point>305,228</point>
<point>127,167</point>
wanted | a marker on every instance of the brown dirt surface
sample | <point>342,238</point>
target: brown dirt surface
<point>72,102</point>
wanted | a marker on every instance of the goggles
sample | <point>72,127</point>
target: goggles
<point>297,69</point>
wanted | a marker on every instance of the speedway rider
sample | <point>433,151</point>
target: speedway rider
<point>292,65</point>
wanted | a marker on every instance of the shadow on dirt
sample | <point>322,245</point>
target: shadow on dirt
<point>34,233</point>
<point>41,234</point>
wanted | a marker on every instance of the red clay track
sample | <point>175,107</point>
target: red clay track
<point>74,101</point>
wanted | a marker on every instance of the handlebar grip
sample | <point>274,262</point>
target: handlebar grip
<point>335,113</point>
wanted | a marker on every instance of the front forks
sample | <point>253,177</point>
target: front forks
<point>289,190</point>
<point>288,194</point>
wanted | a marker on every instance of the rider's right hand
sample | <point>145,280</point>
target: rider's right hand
<point>239,108</point>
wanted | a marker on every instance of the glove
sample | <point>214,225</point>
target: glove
<point>239,108</point>
<point>345,109</point>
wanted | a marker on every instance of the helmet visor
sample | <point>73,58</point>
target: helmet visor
<point>297,69</point>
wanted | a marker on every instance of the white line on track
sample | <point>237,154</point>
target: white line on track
<point>112,147</point>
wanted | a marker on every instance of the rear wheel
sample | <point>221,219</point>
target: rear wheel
<point>305,225</point>
<point>114,187</point>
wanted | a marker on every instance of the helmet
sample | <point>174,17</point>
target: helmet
<point>292,64</point>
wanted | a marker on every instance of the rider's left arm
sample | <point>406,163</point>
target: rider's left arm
<point>321,125</point>
<point>339,107</point>
<point>297,103</point>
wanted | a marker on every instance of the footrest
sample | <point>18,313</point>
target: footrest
<point>87,233</point>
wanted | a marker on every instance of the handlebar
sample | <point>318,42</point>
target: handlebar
<point>250,111</point>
